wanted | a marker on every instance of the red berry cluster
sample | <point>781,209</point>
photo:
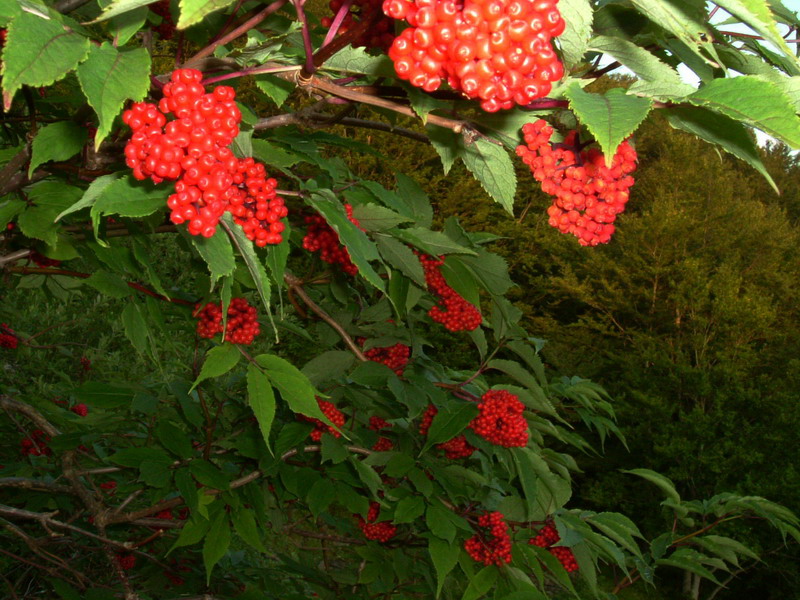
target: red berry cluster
<point>109,487</point>
<point>452,311</point>
<point>86,364</point>
<point>243,324</point>
<point>381,532</point>
<point>334,414</point>
<point>193,148</point>
<point>493,545</point>
<point>36,444</point>
<point>8,339</point>
<point>547,536</point>
<point>167,27</point>
<point>456,448</point>
<point>383,444</point>
<point>395,357</point>
<point>80,409</point>
<point>42,261</point>
<point>588,194</point>
<point>320,237</point>
<point>500,420</point>
<point>379,35</point>
<point>126,561</point>
<point>499,51</point>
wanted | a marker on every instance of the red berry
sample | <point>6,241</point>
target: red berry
<point>80,409</point>
<point>381,532</point>
<point>501,421</point>
<point>456,448</point>
<point>320,237</point>
<point>452,311</point>
<point>491,545</point>
<point>242,327</point>
<point>334,414</point>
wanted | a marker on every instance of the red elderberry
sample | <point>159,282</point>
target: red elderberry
<point>456,448</point>
<point>381,532</point>
<point>334,414</point>
<point>395,357</point>
<point>109,487</point>
<point>42,261</point>
<point>320,237</point>
<point>126,561</point>
<point>36,444</point>
<point>8,339</point>
<point>546,537</point>
<point>588,194</point>
<point>452,311</point>
<point>80,409</point>
<point>501,421</point>
<point>242,326</point>
<point>492,544</point>
<point>380,33</point>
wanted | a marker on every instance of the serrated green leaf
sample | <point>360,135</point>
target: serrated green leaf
<point>219,360</point>
<point>430,242</point>
<point>448,423</point>
<point>659,90</point>
<point>295,388</point>
<point>217,251</point>
<point>320,496</point>
<point>689,560</point>
<point>217,542</point>
<point>619,528</point>
<point>90,195</point>
<point>753,101</point>
<point>447,145</point>
<point>194,11</point>
<point>373,217</point>
<point>118,7</point>
<point>644,64</point>
<point>244,523</point>
<point>10,209</point>
<point>358,60</point>
<point>492,167</point>
<point>722,131</point>
<point>444,557</point>
<point>277,89</point>
<point>109,284</point>
<point>128,198</point>
<point>757,14</point>
<point>409,509</point>
<point>552,491</point>
<point>136,328</point>
<point>683,18</point>
<point>481,583</point>
<point>109,77</point>
<point>577,15</point>
<point>401,257</point>
<point>262,400</point>
<point>272,154</point>
<point>423,103</point>
<point>527,480</point>
<point>38,51</point>
<point>327,366</point>
<point>658,479</point>
<point>209,475</point>
<point>609,117</point>
<point>57,141</point>
<point>174,439</point>
<point>48,198</point>
<point>439,523</point>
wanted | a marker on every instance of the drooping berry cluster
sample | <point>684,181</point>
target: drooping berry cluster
<point>193,149</point>
<point>452,311</point>
<point>242,327</point>
<point>588,194</point>
<point>334,414</point>
<point>381,532</point>
<point>499,51</point>
<point>383,444</point>
<point>492,546</point>
<point>36,444</point>
<point>395,357</point>
<point>455,448</point>
<point>547,536</point>
<point>380,33</point>
<point>500,420</point>
<point>8,339</point>
<point>320,237</point>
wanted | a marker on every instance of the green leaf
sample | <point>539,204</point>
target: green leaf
<point>174,439</point>
<point>552,491</point>
<point>658,479</point>
<point>118,7</point>
<point>416,199</point>
<point>409,509</point>
<point>644,64</point>
<point>444,557</point>
<point>217,542</point>
<point>730,135</point>
<point>681,17</point>
<point>447,145</point>
<point>609,117</point>
<point>320,496</point>
<point>574,42</point>
<point>244,523</point>
<point>527,479</point>
<point>273,154</point>
<point>295,388</point>
<point>720,544</point>
<point>359,246</point>
<point>9,209</point>
<point>753,101</point>
<point>194,11</point>
<point>109,77</point>
<point>128,198</point>
<point>109,284</point>
<point>277,89</point>
<point>136,328</point>
<point>367,475</point>
<point>219,360</point>
<point>217,251</point>
<point>481,583</point>
<point>373,217</point>
<point>492,167</point>
<point>49,198</point>
<point>262,400</point>
<point>449,422</point>
<point>430,242</point>
<point>438,521</point>
<point>358,60</point>
<point>208,474</point>
<point>328,365</point>
<point>38,51</point>
<point>133,457</point>
<point>619,528</point>
<point>90,195</point>
<point>758,15</point>
<point>689,560</point>
<point>401,257</point>
<point>57,141</point>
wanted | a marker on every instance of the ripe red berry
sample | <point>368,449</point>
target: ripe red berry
<point>452,311</point>
<point>80,409</point>
<point>491,545</point>
<point>456,448</point>
<point>36,444</point>
<point>501,420</point>
<point>546,537</point>
<point>395,357</point>
<point>381,532</point>
<point>8,338</point>
<point>126,561</point>
<point>334,414</point>
<point>242,327</point>
<point>320,237</point>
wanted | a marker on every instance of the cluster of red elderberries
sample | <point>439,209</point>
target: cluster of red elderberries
<point>40,260</point>
<point>383,444</point>
<point>334,414</point>
<point>193,149</point>
<point>380,33</point>
<point>547,536</point>
<point>588,194</point>
<point>320,237</point>
<point>166,29</point>
<point>36,444</point>
<point>456,448</point>
<point>492,546</point>
<point>501,421</point>
<point>395,357</point>
<point>452,311</point>
<point>80,409</point>
<point>8,339</point>
<point>242,327</point>
<point>381,532</point>
<point>126,561</point>
<point>499,51</point>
